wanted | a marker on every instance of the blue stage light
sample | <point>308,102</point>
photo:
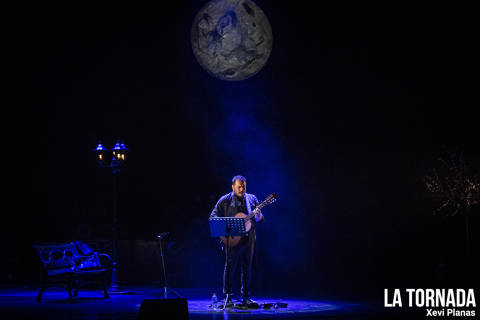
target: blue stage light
<point>100,147</point>
<point>117,146</point>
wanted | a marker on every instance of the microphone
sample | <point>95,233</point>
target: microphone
<point>162,235</point>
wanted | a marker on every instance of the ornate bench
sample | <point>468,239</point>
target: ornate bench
<point>71,264</point>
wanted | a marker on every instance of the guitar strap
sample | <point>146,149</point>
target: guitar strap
<point>247,203</point>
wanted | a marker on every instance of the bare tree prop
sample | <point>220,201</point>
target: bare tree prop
<point>456,188</point>
<point>453,186</point>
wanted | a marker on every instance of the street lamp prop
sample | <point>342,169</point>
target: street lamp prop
<point>114,159</point>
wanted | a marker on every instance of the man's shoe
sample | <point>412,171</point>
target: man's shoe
<point>250,303</point>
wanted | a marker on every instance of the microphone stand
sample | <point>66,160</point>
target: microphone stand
<point>166,289</point>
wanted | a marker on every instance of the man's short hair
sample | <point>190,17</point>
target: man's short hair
<point>241,178</point>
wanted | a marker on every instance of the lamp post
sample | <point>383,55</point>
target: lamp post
<point>114,159</point>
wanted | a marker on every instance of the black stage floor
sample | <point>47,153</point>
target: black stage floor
<point>19,303</point>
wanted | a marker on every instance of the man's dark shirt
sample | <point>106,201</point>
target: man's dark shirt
<point>229,205</point>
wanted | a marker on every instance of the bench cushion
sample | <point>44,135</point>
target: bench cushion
<point>66,258</point>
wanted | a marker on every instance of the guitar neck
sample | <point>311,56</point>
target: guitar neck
<point>260,206</point>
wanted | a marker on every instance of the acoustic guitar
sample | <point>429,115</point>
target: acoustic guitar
<point>233,241</point>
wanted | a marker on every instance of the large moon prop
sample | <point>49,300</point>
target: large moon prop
<point>231,39</point>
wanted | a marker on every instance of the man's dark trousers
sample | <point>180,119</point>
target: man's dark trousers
<point>243,254</point>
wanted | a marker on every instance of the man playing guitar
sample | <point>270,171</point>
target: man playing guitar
<point>240,203</point>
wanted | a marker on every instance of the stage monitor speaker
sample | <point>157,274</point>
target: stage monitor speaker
<point>172,309</point>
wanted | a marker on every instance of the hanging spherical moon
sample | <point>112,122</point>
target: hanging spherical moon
<point>231,39</point>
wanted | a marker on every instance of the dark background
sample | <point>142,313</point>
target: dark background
<point>351,111</point>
